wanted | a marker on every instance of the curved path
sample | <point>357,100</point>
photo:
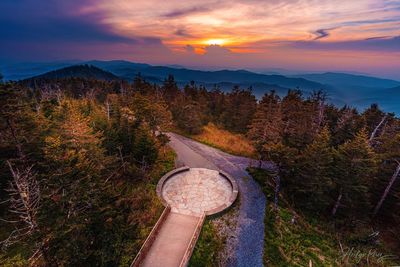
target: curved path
<point>250,230</point>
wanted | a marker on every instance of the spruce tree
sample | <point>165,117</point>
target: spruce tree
<point>239,108</point>
<point>314,180</point>
<point>385,188</point>
<point>170,89</point>
<point>355,166</point>
<point>76,195</point>
<point>266,126</point>
<point>298,119</point>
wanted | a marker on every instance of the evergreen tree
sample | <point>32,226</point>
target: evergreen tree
<point>76,194</point>
<point>239,108</point>
<point>152,111</point>
<point>349,122</point>
<point>189,118</point>
<point>145,148</point>
<point>317,100</point>
<point>283,156</point>
<point>142,86</point>
<point>385,188</point>
<point>216,99</point>
<point>372,117</point>
<point>298,119</point>
<point>266,126</point>
<point>170,89</point>
<point>355,165</point>
<point>314,182</point>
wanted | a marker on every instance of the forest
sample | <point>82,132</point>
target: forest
<point>80,159</point>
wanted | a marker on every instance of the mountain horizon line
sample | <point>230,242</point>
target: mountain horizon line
<point>264,71</point>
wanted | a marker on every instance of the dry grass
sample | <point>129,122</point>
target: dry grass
<point>236,144</point>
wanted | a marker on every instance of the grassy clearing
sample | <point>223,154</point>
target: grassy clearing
<point>236,144</point>
<point>308,239</point>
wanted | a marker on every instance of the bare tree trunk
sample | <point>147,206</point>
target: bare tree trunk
<point>108,110</point>
<point>375,131</point>
<point>60,96</point>
<point>46,256</point>
<point>321,111</point>
<point>337,204</point>
<point>277,190</point>
<point>386,192</point>
<point>122,89</point>
<point>121,157</point>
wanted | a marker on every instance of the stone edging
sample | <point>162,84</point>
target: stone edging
<point>165,178</point>
<point>235,190</point>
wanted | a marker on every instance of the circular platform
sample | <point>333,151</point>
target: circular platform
<point>194,191</point>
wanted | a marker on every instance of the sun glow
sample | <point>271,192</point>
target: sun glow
<point>215,42</point>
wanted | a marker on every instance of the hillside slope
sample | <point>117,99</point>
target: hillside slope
<point>294,239</point>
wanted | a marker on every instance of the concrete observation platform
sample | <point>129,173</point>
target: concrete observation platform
<point>197,190</point>
<point>189,194</point>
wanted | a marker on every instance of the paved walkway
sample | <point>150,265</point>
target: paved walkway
<point>185,156</point>
<point>172,241</point>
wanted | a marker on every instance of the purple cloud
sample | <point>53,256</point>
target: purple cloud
<point>184,12</point>
<point>182,33</point>
<point>383,44</point>
<point>50,29</point>
<point>322,33</point>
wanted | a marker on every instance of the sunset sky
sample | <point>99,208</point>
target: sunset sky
<point>308,35</point>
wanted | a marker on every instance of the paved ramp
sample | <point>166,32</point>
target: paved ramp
<point>174,239</point>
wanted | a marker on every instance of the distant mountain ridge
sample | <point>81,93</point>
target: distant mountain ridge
<point>157,74</point>
<point>344,79</point>
<point>342,88</point>
<point>78,71</point>
<point>225,79</point>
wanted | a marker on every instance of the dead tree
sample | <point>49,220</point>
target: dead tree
<point>388,187</point>
<point>18,144</point>
<point>108,109</point>
<point>337,203</point>
<point>277,180</point>
<point>59,95</point>
<point>24,203</point>
<point>320,98</point>
<point>375,131</point>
